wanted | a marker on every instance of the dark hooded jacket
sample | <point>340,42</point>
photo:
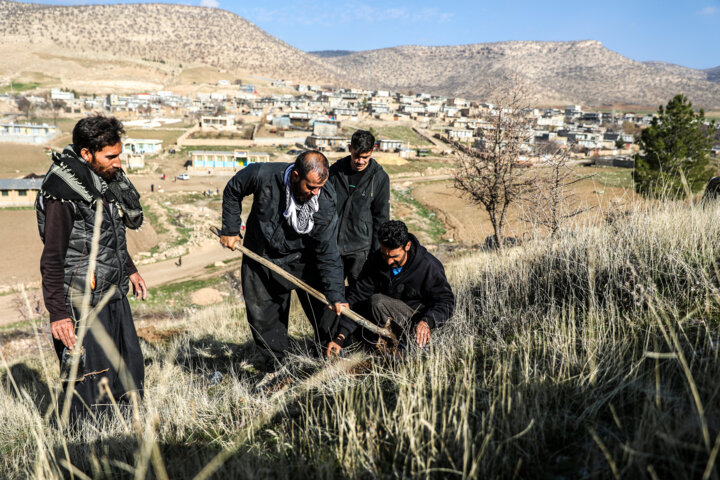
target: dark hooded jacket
<point>268,232</point>
<point>70,179</point>
<point>421,284</point>
<point>361,210</point>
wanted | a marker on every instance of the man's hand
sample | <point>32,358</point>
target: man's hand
<point>422,333</point>
<point>334,347</point>
<point>229,241</point>
<point>138,286</point>
<point>64,330</point>
<point>338,307</point>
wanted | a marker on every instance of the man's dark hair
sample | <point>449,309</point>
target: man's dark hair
<point>312,161</point>
<point>393,234</point>
<point>362,141</point>
<point>97,132</point>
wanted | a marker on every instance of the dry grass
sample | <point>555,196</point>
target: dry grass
<point>594,356</point>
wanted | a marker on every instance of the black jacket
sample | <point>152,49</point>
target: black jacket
<point>421,284</point>
<point>269,234</point>
<point>70,179</point>
<point>363,210</point>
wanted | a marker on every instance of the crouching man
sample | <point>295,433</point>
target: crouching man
<point>401,281</point>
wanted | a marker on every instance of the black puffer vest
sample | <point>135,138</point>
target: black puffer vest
<point>112,258</point>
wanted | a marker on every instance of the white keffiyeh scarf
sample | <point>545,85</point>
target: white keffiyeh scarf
<point>300,216</point>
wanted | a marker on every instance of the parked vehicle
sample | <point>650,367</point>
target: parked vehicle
<point>183,176</point>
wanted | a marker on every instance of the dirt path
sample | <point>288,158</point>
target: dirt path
<point>193,265</point>
<point>12,305</point>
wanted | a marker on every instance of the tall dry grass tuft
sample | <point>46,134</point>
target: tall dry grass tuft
<point>595,355</point>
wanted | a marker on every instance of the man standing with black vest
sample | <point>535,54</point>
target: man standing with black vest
<point>363,202</point>
<point>85,176</point>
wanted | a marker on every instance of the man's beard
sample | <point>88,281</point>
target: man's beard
<point>106,173</point>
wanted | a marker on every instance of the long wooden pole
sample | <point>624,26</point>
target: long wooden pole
<point>355,317</point>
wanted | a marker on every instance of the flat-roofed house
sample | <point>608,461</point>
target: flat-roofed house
<point>458,133</point>
<point>224,160</point>
<point>132,160</point>
<point>322,143</point>
<point>144,146</point>
<point>387,145</point>
<point>27,132</point>
<point>19,192</point>
<point>222,122</point>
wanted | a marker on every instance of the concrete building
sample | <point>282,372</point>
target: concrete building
<point>458,133</point>
<point>19,192</point>
<point>385,145</point>
<point>130,160</point>
<point>214,160</point>
<point>27,132</point>
<point>146,146</point>
<point>325,128</point>
<point>324,143</point>
<point>224,122</point>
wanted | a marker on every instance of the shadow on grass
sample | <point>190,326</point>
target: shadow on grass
<point>29,380</point>
<point>116,458</point>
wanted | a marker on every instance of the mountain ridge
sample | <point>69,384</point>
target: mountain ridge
<point>581,71</point>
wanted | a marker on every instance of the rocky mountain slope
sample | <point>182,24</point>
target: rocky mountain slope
<point>146,42</point>
<point>556,72</point>
<point>151,46</point>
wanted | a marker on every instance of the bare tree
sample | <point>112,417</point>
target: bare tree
<point>25,106</point>
<point>56,106</point>
<point>552,201</point>
<point>491,173</point>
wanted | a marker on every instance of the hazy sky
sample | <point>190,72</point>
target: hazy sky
<point>686,32</point>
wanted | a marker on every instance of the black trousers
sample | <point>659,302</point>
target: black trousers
<point>379,309</point>
<point>353,264</point>
<point>116,318</point>
<point>267,303</point>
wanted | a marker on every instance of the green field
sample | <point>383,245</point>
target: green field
<point>393,132</point>
<point>608,176</point>
<point>18,87</point>
<point>168,137</point>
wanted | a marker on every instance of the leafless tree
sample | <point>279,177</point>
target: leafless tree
<point>56,106</point>
<point>553,200</point>
<point>25,106</point>
<point>491,172</point>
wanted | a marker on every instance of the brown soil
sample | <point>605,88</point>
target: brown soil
<point>152,335</point>
<point>206,296</point>
<point>18,160</point>
<point>467,223</point>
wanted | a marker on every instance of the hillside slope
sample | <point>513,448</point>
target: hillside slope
<point>583,71</point>
<point>143,43</point>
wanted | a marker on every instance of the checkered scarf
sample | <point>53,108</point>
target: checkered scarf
<point>300,216</point>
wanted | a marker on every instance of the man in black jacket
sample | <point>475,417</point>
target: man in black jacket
<point>402,281</point>
<point>292,223</point>
<point>363,202</point>
<point>87,175</point>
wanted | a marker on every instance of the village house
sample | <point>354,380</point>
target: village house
<point>19,192</point>
<point>27,132</point>
<point>325,128</point>
<point>144,146</point>
<point>326,143</point>
<point>458,133</point>
<point>130,160</point>
<point>224,161</point>
<point>217,123</point>
<point>386,145</point>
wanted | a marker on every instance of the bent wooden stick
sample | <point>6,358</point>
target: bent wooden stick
<point>355,317</point>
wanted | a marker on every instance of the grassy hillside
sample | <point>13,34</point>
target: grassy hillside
<point>593,356</point>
